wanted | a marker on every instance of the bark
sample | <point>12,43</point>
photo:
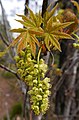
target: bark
<point>35,117</point>
<point>26,10</point>
<point>5,34</point>
<point>66,95</point>
<point>9,70</point>
<point>44,7</point>
<point>6,24</point>
<point>25,103</point>
<point>70,98</point>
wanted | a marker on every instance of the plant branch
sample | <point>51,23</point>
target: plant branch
<point>26,10</point>
<point>66,72</point>
<point>3,39</point>
<point>24,105</point>
<point>6,24</point>
<point>44,7</point>
<point>74,113</point>
<point>9,70</point>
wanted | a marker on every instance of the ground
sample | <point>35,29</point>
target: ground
<point>10,93</point>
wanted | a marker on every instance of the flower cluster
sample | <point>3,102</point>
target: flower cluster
<point>33,74</point>
<point>76,45</point>
<point>39,95</point>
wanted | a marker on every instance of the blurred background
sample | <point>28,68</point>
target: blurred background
<point>13,7</point>
<point>64,100</point>
<point>11,96</point>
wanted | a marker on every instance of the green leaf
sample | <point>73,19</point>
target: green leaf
<point>55,42</point>
<point>39,19</point>
<point>21,46</point>
<point>36,31</point>
<point>26,24</point>
<point>5,51</point>
<point>32,15</point>
<point>46,39</point>
<point>35,40</point>
<point>58,26</point>
<point>51,12</point>
<point>33,46</point>
<point>75,4</point>
<point>49,40</point>
<point>61,35</point>
<point>14,42</point>
<point>27,20</point>
<point>19,30</point>
<point>36,18</point>
<point>49,24</point>
<point>2,53</point>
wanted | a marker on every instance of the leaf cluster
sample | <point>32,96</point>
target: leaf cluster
<point>49,29</point>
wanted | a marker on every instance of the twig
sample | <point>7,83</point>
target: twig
<point>66,72</point>
<point>26,10</point>
<point>9,70</point>
<point>74,113</point>
<point>24,106</point>
<point>4,22</point>
<point>5,42</point>
<point>76,60</point>
<point>44,6</point>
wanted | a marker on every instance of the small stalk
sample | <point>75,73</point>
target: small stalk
<point>38,63</point>
<point>76,36</point>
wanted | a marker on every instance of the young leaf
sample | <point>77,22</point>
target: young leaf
<point>52,12</point>
<point>26,24</point>
<point>19,30</point>
<point>21,46</point>
<point>49,24</point>
<point>61,35</point>
<point>26,19</point>
<point>51,40</point>
<point>14,42</point>
<point>3,53</point>
<point>55,42</point>
<point>58,26</point>
<point>33,47</point>
<point>32,15</point>
<point>75,4</point>
<point>36,31</point>
<point>39,19</point>
<point>46,40</point>
<point>35,18</point>
<point>35,40</point>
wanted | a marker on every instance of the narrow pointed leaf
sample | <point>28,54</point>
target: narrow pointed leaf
<point>26,24</point>
<point>21,46</point>
<point>52,12</point>
<point>14,42</point>
<point>37,31</point>
<point>35,40</point>
<point>31,43</point>
<point>62,35</point>
<point>3,53</point>
<point>19,30</point>
<point>55,42</point>
<point>47,41</point>
<point>39,19</point>
<point>49,24</point>
<point>33,47</point>
<point>26,19</point>
<point>75,4</point>
<point>58,26</point>
<point>50,5</point>
<point>32,15</point>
